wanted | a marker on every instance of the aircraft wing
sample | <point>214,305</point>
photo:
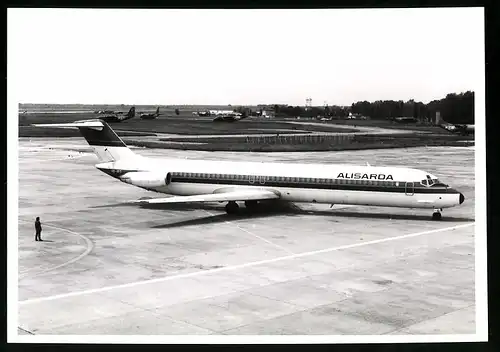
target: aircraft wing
<point>233,195</point>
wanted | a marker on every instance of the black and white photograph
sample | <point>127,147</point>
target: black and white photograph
<point>246,175</point>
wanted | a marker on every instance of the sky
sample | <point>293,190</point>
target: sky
<point>165,57</point>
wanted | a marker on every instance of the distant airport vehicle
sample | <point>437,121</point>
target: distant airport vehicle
<point>151,116</point>
<point>119,117</point>
<point>203,113</point>
<point>355,116</point>
<point>463,129</point>
<point>252,182</point>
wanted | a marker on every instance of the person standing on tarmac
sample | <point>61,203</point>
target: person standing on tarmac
<point>38,229</point>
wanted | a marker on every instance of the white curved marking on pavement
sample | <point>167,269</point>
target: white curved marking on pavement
<point>239,266</point>
<point>89,248</point>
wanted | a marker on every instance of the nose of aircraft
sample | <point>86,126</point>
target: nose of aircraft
<point>462,198</point>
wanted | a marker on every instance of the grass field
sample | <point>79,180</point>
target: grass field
<point>184,124</point>
<point>187,124</point>
<point>356,144</point>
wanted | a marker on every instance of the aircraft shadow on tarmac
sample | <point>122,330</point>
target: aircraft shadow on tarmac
<point>281,210</point>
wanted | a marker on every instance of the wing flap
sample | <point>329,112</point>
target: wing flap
<point>236,195</point>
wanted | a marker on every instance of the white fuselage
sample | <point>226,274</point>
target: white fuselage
<point>311,183</point>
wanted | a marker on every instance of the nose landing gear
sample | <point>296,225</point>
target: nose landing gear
<point>437,214</point>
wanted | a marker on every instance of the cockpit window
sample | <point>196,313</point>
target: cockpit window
<point>432,182</point>
<point>439,183</point>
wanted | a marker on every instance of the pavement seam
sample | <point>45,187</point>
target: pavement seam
<point>436,317</point>
<point>254,235</point>
<point>159,316</point>
<point>348,296</point>
<point>244,265</point>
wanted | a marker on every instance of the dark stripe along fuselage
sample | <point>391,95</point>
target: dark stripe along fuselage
<point>299,182</point>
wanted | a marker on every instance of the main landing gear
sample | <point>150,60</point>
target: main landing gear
<point>232,207</point>
<point>437,214</point>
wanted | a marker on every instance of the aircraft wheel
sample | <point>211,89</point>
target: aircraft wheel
<point>436,216</point>
<point>232,207</point>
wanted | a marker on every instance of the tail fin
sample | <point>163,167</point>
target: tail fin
<point>131,112</point>
<point>157,111</point>
<point>104,141</point>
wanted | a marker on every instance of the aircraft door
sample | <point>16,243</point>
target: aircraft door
<point>409,188</point>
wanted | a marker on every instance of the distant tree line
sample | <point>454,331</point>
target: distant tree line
<point>454,108</point>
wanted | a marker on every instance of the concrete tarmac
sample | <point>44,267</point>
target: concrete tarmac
<point>106,267</point>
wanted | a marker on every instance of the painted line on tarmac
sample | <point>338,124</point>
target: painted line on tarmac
<point>256,236</point>
<point>89,248</point>
<point>240,266</point>
<point>262,239</point>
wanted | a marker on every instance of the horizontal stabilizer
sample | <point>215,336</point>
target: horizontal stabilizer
<point>235,195</point>
<point>93,124</point>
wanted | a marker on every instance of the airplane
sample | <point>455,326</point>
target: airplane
<point>462,129</point>
<point>151,116</point>
<point>118,118</point>
<point>229,118</point>
<point>188,181</point>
